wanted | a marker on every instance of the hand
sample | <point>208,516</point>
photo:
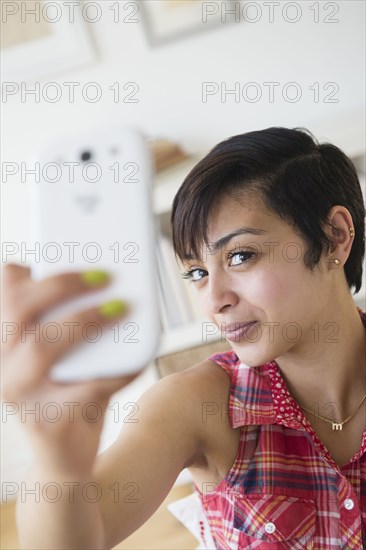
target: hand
<point>65,430</point>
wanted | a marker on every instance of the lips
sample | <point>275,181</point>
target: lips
<point>236,331</point>
<point>230,327</point>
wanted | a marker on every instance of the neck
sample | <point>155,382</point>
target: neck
<point>326,371</point>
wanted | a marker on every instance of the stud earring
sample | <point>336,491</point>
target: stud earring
<point>351,231</point>
<point>336,261</point>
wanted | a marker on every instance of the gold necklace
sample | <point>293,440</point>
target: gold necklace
<point>335,425</point>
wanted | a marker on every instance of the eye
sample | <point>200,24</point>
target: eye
<point>240,256</point>
<point>194,275</point>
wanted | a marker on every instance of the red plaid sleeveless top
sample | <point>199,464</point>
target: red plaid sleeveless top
<point>284,490</point>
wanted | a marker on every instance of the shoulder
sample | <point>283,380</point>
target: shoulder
<point>203,392</point>
<point>205,380</point>
<point>191,396</point>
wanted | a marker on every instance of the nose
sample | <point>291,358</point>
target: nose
<point>219,294</point>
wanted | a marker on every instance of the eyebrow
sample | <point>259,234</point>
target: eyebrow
<point>221,243</point>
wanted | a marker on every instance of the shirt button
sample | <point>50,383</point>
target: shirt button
<point>270,527</point>
<point>349,504</point>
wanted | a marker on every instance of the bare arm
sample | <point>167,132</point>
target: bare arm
<point>133,476</point>
<point>87,501</point>
<point>148,456</point>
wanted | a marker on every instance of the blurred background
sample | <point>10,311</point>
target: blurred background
<point>187,74</point>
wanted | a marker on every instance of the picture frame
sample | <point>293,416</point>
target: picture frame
<point>43,48</point>
<point>168,20</point>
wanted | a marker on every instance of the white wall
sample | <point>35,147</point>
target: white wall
<point>170,78</point>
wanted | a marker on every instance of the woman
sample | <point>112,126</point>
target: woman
<point>270,228</point>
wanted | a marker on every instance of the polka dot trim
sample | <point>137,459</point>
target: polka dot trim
<point>202,532</point>
<point>286,408</point>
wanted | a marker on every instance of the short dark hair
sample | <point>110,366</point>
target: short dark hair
<point>292,173</point>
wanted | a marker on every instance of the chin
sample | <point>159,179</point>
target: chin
<point>255,358</point>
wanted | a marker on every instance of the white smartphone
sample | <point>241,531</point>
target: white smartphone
<point>91,209</point>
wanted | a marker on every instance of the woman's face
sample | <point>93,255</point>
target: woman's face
<point>259,277</point>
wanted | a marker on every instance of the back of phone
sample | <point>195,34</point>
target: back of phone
<point>91,210</point>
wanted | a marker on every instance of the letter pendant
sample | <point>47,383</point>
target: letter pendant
<point>336,426</point>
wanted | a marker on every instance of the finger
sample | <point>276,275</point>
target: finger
<point>13,273</point>
<point>14,278</point>
<point>66,334</point>
<point>52,291</point>
<point>15,388</point>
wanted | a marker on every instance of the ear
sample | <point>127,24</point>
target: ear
<point>339,229</point>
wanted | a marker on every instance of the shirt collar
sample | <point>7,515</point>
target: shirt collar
<point>259,394</point>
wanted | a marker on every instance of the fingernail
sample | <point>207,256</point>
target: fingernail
<point>94,278</point>
<point>115,308</point>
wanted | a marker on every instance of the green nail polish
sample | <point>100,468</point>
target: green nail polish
<point>115,308</point>
<point>94,278</point>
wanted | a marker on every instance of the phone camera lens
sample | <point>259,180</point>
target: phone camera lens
<point>85,156</point>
